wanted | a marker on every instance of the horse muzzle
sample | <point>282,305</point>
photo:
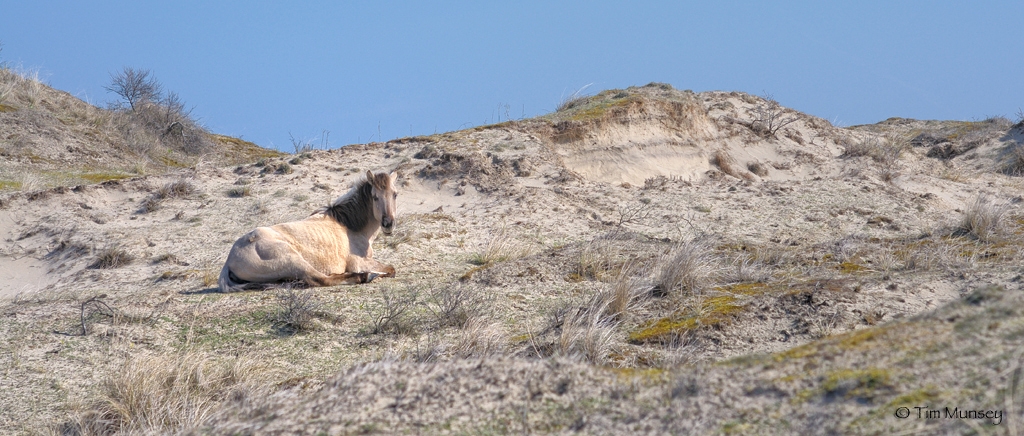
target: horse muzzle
<point>387,225</point>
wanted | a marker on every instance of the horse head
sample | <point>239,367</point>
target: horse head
<point>385,198</point>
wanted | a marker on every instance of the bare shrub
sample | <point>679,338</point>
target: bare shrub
<point>687,269</point>
<point>857,148</point>
<point>153,118</point>
<point>112,257</point>
<point>984,219</point>
<point>885,151</point>
<point>454,305</point>
<point>635,213</point>
<point>389,312</point>
<point>165,394</point>
<point>770,116</point>
<point>295,310</point>
<point>134,86</point>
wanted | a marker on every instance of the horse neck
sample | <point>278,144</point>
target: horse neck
<point>371,227</point>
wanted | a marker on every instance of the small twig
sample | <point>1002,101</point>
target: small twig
<point>99,304</point>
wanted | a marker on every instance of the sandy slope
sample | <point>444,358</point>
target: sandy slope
<point>805,242</point>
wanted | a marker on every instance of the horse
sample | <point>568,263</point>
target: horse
<point>332,246</point>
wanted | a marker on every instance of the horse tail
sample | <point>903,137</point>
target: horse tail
<point>227,281</point>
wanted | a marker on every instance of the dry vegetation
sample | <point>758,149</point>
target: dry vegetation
<point>764,269</point>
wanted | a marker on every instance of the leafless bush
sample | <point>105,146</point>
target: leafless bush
<point>770,116</point>
<point>984,219</point>
<point>134,86</point>
<point>390,311</point>
<point>687,269</point>
<point>885,151</point>
<point>454,305</point>
<point>635,213</point>
<point>857,148</point>
<point>152,117</point>
<point>165,394</point>
<point>295,310</point>
<point>112,257</point>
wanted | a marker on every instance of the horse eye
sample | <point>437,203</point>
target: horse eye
<point>395,195</point>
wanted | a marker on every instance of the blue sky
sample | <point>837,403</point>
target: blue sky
<point>267,70</point>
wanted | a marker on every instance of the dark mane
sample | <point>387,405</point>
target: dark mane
<point>352,210</point>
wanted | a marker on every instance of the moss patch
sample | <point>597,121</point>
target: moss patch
<point>850,268</point>
<point>714,311</point>
<point>100,177</point>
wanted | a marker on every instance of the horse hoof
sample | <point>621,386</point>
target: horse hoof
<point>370,276</point>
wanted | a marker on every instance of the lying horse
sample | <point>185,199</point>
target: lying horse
<point>331,247</point>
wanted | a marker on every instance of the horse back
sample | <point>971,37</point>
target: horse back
<point>320,240</point>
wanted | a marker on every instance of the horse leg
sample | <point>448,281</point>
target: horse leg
<point>346,278</point>
<point>363,264</point>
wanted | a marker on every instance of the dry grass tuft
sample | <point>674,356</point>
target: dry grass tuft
<point>758,168</point>
<point>500,247</point>
<point>984,219</point>
<point>165,394</point>
<point>579,333</point>
<point>625,293</point>
<point>687,269</point>
<point>175,189</point>
<point>240,191</point>
<point>573,100</point>
<point>1014,164</point>
<point>728,165</point>
<point>112,257</point>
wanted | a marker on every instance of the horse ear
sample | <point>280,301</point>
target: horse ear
<point>369,175</point>
<point>394,176</point>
